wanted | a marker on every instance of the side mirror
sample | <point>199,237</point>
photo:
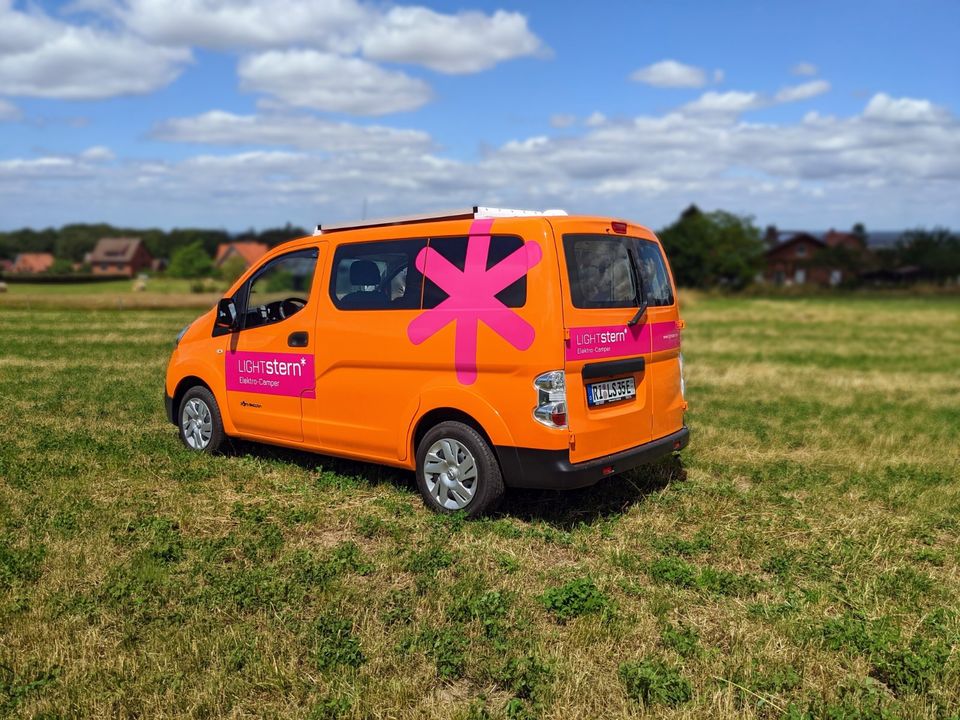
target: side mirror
<point>226,314</point>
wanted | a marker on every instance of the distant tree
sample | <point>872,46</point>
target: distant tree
<point>841,257</point>
<point>61,266</point>
<point>936,252</point>
<point>75,241</point>
<point>716,248</point>
<point>27,240</point>
<point>209,239</point>
<point>190,261</point>
<point>156,241</point>
<point>275,236</point>
<point>859,231</point>
<point>232,268</point>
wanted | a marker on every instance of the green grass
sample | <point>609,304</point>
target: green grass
<point>108,287</point>
<point>158,292</point>
<point>802,561</point>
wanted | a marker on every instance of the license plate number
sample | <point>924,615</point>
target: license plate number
<point>610,391</point>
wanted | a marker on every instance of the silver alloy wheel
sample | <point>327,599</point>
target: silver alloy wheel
<point>450,473</point>
<point>197,423</point>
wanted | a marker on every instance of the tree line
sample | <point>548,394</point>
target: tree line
<point>71,242</point>
<point>706,249</point>
<point>722,249</point>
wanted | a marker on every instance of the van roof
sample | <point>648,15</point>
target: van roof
<point>476,212</point>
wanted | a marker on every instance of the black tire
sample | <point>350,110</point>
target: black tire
<point>191,398</point>
<point>487,485</point>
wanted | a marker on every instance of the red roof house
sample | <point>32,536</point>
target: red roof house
<point>32,263</point>
<point>247,250</point>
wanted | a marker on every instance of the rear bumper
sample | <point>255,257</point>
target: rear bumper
<point>552,469</point>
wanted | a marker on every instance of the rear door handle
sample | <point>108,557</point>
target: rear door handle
<point>298,339</point>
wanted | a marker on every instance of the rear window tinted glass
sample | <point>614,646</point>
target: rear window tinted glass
<point>454,249</point>
<point>377,275</point>
<point>653,270</point>
<point>602,271</point>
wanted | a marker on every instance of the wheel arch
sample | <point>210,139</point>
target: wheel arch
<point>439,405</point>
<point>443,414</point>
<point>185,384</point>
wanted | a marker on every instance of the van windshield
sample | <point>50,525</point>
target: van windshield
<point>606,270</point>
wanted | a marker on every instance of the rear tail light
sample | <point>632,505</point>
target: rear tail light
<point>683,383</point>
<point>551,407</point>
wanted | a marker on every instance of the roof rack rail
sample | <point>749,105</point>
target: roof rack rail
<point>476,212</point>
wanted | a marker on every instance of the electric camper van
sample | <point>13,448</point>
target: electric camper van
<point>481,348</point>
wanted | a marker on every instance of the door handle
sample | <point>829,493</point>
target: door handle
<point>297,339</point>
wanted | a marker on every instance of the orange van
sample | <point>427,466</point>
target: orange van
<point>480,348</point>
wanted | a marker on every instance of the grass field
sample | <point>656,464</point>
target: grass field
<point>801,562</point>
<point>158,292</point>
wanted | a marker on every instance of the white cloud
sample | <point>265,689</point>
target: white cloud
<point>804,91</point>
<point>464,42</point>
<point>43,168</point>
<point>596,119</point>
<point>737,102</point>
<point>467,42</point>
<point>323,81</point>
<point>20,31</point>
<point>902,110</point>
<point>9,111</point>
<point>298,131</point>
<point>670,73</point>
<point>98,153</point>
<point>43,57</point>
<point>138,46</point>
<point>562,120</point>
<point>816,172</point>
<point>804,69</point>
<point>244,24</point>
<point>732,102</point>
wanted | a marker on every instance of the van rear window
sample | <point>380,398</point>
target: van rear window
<point>610,271</point>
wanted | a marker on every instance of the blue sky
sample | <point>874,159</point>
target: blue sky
<point>260,112</point>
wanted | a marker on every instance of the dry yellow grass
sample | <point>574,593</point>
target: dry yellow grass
<point>802,559</point>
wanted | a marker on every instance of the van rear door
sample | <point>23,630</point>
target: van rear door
<point>608,360</point>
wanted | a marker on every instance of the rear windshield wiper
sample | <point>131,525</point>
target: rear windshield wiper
<point>641,295</point>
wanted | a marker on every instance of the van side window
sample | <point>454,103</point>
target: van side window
<point>454,249</point>
<point>378,275</point>
<point>281,288</point>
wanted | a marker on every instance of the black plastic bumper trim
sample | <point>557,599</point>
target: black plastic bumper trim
<point>552,469</point>
<point>613,367</point>
<point>168,406</point>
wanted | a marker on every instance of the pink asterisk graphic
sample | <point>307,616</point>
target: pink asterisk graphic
<point>473,299</point>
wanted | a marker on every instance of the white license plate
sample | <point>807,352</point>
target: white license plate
<point>611,391</point>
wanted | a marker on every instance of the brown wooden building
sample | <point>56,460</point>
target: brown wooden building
<point>124,257</point>
<point>801,258</point>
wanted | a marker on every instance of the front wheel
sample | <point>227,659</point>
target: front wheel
<point>201,427</point>
<point>457,470</point>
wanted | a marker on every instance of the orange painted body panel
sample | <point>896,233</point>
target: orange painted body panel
<point>371,383</point>
<point>606,429</point>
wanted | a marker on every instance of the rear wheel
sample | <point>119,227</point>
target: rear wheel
<point>457,470</point>
<point>201,428</point>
